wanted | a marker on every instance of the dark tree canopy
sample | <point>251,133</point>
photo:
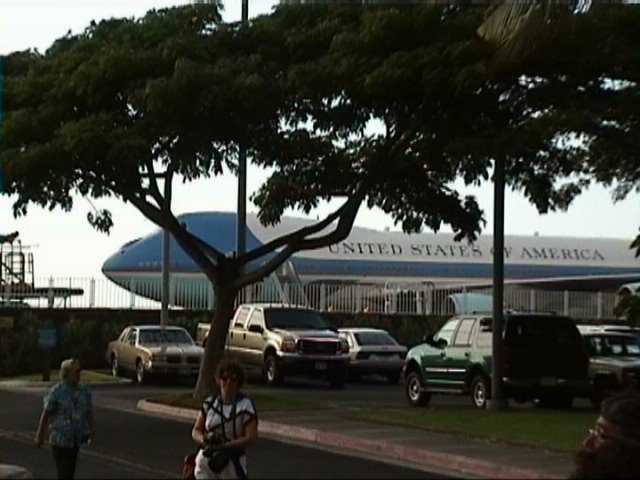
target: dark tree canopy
<point>122,108</point>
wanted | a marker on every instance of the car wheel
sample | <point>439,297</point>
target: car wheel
<point>480,391</point>
<point>393,377</point>
<point>413,391</point>
<point>272,374</point>
<point>115,368</point>
<point>140,373</point>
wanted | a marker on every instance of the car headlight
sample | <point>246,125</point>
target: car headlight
<point>288,344</point>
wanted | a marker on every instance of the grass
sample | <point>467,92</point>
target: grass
<point>87,376</point>
<point>264,402</point>
<point>553,430</point>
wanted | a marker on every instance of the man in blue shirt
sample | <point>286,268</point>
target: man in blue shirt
<point>68,415</point>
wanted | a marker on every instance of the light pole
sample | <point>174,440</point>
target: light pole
<point>164,301</point>
<point>241,216</point>
<point>497,401</point>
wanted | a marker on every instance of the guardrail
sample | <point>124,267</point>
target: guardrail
<point>390,299</point>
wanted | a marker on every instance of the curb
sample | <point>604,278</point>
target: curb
<point>411,455</point>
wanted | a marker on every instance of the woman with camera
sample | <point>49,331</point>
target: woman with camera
<point>226,425</point>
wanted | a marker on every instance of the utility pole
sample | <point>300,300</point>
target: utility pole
<point>497,401</point>
<point>166,255</point>
<point>241,225</point>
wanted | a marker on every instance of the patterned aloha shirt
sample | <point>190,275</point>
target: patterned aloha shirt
<point>69,408</point>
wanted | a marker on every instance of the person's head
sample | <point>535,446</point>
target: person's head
<point>612,447</point>
<point>70,371</point>
<point>229,377</point>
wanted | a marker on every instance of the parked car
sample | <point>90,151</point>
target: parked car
<point>281,340</point>
<point>544,359</point>
<point>614,363</point>
<point>153,349</point>
<point>373,351</point>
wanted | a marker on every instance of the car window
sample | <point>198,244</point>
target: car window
<point>131,337</point>
<point>172,336</point>
<point>464,332</point>
<point>446,332</point>
<point>256,318</point>
<point>374,338</point>
<point>529,331</point>
<point>632,346</point>
<point>293,318</point>
<point>241,319</point>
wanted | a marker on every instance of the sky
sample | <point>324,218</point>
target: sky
<point>65,245</point>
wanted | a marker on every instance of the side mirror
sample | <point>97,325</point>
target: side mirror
<point>256,328</point>
<point>441,343</point>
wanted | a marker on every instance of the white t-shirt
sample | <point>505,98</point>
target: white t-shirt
<point>226,421</point>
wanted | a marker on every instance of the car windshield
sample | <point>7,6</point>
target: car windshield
<point>612,345</point>
<point>180,337</point>
<point>292,319</point>
<point>374,338</point>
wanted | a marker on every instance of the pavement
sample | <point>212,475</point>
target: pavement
<point>450,454</point>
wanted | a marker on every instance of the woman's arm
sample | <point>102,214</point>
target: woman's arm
<point>249,435</point>
<point>43,424</point>
<point>198,430</point>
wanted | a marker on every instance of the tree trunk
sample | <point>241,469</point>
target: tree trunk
<point>215,348</point>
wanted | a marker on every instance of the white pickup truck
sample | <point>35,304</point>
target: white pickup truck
<point>284,340</point>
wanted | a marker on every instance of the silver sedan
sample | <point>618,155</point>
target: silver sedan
<point>373,351</point>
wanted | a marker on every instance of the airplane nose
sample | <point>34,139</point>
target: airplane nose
<point>120,260</point>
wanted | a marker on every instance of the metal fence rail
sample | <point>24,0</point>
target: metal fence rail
<point>337,297</point>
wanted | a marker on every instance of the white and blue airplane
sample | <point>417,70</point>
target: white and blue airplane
<point>383,257</point>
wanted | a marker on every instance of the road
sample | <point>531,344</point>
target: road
<point>133,444</point>
<point>370,392</point>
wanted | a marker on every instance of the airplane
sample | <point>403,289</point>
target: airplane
<point>376,257</point>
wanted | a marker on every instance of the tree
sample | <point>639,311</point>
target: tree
<point>126,106</point>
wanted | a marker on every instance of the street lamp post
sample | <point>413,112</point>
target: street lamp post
<point>241,217</point>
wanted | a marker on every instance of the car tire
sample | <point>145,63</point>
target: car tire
<point>116,371</point>
<point>479,391</point>
<point>393,377</point>
<point>140,373</point>
<point>413,391</point>
<point>271,370</point>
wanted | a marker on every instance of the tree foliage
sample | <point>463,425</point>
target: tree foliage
<point>386,105</point>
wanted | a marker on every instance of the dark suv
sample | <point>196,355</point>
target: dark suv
<point>544,360</point>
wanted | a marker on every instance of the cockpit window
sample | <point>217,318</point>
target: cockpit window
<point>129,243</point>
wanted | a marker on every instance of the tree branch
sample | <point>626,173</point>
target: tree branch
<point>298,234</point>
<point>296,241</point>
<point>153,189</point>
<point>201,251</point>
